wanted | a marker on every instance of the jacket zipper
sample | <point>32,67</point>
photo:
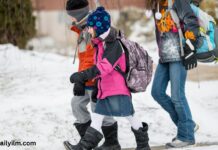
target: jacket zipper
<point>99,77</point>
<point>100,87</point>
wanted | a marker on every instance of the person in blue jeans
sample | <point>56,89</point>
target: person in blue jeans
<point>172,67</point>
<point>176,104</point>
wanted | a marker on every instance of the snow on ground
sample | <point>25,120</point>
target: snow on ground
<point>35,96</point>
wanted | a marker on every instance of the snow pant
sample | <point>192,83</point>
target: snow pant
<point>81,113</point>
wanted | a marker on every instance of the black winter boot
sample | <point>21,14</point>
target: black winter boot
<point>68,146</point>
<point>81,128</point>
<point>141,136</point>
<point>111,138</point>
<point>89,141</point>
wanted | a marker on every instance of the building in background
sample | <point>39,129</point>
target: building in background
<point>217,9</point>
<point>51,18</point>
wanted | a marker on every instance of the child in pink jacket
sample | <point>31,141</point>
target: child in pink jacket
<point>114,97</point>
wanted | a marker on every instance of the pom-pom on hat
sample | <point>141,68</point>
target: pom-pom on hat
<point>100,20</point>
<point>77,8</point>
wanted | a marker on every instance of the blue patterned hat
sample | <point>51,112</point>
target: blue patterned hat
<point>100,20</point>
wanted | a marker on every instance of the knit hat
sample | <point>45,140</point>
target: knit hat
<point>100,20</point>
<point>77,8</point>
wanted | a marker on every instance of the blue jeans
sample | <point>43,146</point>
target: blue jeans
<point>176,104</point>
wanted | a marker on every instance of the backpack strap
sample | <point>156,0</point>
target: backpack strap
<point>177,21</point>
<point>117,68</point>
<point>209,44</point>
<point>75,54</point>
<point>120,35</point>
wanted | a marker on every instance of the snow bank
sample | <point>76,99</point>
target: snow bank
<point>35,96</point>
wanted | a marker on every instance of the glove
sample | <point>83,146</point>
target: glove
<point>94,95</point>
<point>95,92</point>
<point>84,76</point>
<point>78,77</point>
<point>79,89</point>
<point>189,59</point>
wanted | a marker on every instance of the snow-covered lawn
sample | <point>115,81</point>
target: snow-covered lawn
<point>35,96</point>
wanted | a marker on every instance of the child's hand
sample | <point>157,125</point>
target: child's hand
<point>84,76</point>
<point>78,77</point>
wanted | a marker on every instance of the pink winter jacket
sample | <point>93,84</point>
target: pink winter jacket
<point>108,54</point>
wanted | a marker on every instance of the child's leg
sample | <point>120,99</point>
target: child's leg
<point>97,120</point>
<point>134,121</point>
<point>110,132</point>
<point>140,130</point>
<point>79,108</point>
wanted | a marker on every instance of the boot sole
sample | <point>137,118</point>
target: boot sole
<point>187,146</point>
<point>162,147</point>
<point>114,148</point>
<point>110,149</point>
<point>66,147</point>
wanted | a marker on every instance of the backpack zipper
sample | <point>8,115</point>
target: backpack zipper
<point>210,59</point>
